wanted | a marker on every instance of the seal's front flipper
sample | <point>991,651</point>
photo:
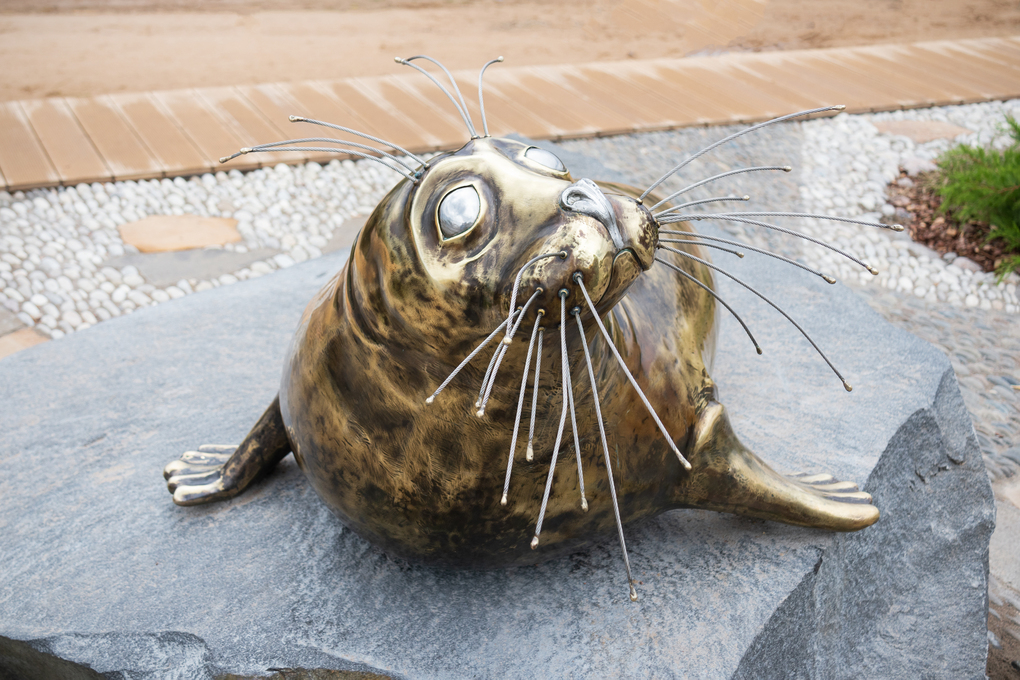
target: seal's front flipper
<point>728,477</point>
<point>216,473</point>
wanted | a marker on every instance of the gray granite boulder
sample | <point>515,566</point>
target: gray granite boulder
<point>98,567</point>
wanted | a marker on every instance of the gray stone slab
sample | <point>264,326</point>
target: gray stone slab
<point>99,567</point>
<point>166,269</point>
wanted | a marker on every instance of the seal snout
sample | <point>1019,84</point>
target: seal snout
<point>586,198</point>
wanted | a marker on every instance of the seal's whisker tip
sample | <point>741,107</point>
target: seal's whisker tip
<point>534,542</point>
<point>502,501</point>
<point>740,255</point>
<point>874,272</point>
<point>245,150</point>
<point>499,58</point>
<point>507,341</point>
<point>847,386</point>
<point>757,349</point>
<point>295,119</point>
<point>839,107</point>
<point>431,400</point>
<point>224,159</point>
<point>633,593</point>
<point>530,454</point>
<point>828,279</point>
<point>897,227</point>
<point>584,504</point>
<point>745,197</point>
<point>480,413</point>
<point>787,168</point>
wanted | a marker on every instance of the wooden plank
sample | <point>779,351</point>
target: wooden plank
<point>652,111</point>
<point>709,86</point>
<point>686,109</point>
<point>622,115</point>
<point>532,94</point>
<point>429,114</point>
<point>989,62</point>
<point>23,160</point>
<point>68,147</point>
<point>167,142</point>
<point>938,90</point>
<point>507,116</point>
<point>205,129</point>
<point>975,75</point>
<point>379,119</point>
<point>248,123</point>
<point>784,83</point>
<point>831,86</point>
<point>124,153</point>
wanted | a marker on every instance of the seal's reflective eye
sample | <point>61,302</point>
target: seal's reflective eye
<point>459,211</point>
<point>543,157</point>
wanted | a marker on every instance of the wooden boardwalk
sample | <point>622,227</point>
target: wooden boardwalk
<point>65,141</point>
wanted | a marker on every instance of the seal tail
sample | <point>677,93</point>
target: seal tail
<point>728,477</point>
<point>216,473</point>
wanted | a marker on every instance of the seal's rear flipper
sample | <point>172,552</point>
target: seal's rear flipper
<point>728,477</point>
<point>216,473</point>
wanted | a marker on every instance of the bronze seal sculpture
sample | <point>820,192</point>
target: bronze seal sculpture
<point>606,315</point>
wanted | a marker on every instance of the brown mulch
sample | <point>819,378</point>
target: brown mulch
<point>917,208</point>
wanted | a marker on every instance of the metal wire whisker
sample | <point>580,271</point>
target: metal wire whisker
<point>824,277</point>
<point>466,361</point>
<point>722,271</point>
<point>711,292</point>
<point>689,159</point>
<point>564,366</point>
<point>698,243</point>
<point>520,404</point>
<point>830,218</point>
<point>520,274</point>
<point>605,448</point>
<point>351,152</point>
<point>716,199</point>
<point>721,175</point>
<point>579,279</point>
<point>481,101</point>
<point>462,110</point>
<point>356,133</point>
<point>333,140</point>
<point>573,425</point>
<point>733,218</point>
<point>501,350</point>
<point>530,453</point>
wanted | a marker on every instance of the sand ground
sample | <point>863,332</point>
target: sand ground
<point>87,47</point>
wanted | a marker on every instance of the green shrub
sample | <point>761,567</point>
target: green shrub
<point>983,185</point>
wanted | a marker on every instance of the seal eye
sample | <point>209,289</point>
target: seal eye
<point>459,211</point>
<point>543,157</point>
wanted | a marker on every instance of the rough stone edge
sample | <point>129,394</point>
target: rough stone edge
<point>842,620</point>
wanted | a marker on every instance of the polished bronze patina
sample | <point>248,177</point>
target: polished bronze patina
<point>496,240</point>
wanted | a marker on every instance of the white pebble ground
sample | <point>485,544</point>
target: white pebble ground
<point>54,243</point>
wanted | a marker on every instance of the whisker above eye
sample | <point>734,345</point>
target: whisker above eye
<point>722,271</point>
<point>323,149</point>
<point>341,128</point>
<point>333,140</point>
<point>738,171</point>
<point>824,277</point>
<point>481,100</point>
<point>462,110</point>
<point>689,159</point>
<point>774,227</point>
<point>711,292</point>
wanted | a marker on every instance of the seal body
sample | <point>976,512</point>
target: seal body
<point>434,270</point>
